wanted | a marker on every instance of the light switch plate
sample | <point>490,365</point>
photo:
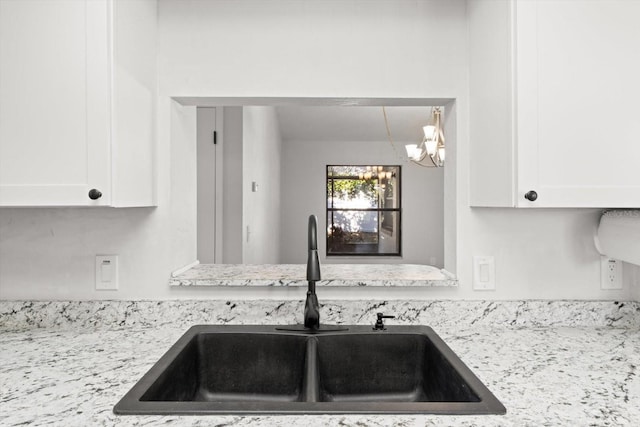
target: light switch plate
<point>107,272</point>
<point>484,273</point>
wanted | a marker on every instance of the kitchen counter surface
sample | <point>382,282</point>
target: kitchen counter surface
<point>295,275</point>
<point>544,375</point>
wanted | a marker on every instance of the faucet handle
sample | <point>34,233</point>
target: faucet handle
<point>380,323</point>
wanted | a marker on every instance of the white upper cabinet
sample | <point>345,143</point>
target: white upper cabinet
<point>554,103</point>
<point>77,102</point>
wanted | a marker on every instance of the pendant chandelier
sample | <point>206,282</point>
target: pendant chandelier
<point>431,151</point>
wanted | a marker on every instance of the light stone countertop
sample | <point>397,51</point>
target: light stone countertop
<point>571,371</point>
<point>332,275</point>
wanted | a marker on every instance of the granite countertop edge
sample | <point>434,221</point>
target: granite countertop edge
<point>293,275</point>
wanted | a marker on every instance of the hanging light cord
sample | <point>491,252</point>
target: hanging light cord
<point>386,123</point>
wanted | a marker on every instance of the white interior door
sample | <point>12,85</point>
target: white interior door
<point>206,164</point>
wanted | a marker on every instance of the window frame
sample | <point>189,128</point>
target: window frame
<point>398,211</point>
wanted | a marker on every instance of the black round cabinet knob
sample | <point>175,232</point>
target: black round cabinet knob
<point>94,194</point>
<point>531,196</point>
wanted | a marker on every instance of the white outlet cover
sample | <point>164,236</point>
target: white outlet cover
<point>107,272</point>
<point>610,273</point>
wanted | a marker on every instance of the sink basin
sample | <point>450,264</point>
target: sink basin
<point>232,367</point>
<point>388,368</point>
<point>262,370</point>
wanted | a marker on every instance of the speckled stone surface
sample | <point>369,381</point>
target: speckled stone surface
<point>622,213</point>
<point>59,368</point>
<point>332,275</point>
<point>436,313</point>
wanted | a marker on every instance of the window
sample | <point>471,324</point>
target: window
<point>363,210</point>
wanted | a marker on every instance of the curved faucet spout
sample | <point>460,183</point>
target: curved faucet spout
<point>313,233</point>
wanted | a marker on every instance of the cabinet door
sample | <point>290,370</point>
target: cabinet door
<point>578,103</point>
<point>54,104</point>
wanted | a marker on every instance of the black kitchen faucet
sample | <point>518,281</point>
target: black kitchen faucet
<point>311,306</point>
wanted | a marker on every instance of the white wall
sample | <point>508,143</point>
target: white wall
<point>261,164</point>
<point>303,49</point>
<point>304,193</point>
<point>49,253</point>
<point>540,253</point>
<point>632,273</point>
<point>376,48</point>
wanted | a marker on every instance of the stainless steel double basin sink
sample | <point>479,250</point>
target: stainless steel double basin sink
<point>264,370</point>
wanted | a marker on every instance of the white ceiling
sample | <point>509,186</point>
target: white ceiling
<point>351,123</point>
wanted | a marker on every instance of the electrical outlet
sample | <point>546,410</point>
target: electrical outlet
<point>484,273</point>
<point>610,273</point>
<point>107,272</point>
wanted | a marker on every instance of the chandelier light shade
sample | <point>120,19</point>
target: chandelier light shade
<point>431,146</point>
<point>413,152</point>
<point>429,132</point>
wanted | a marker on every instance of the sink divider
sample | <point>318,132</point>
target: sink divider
<point>311,380</point>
